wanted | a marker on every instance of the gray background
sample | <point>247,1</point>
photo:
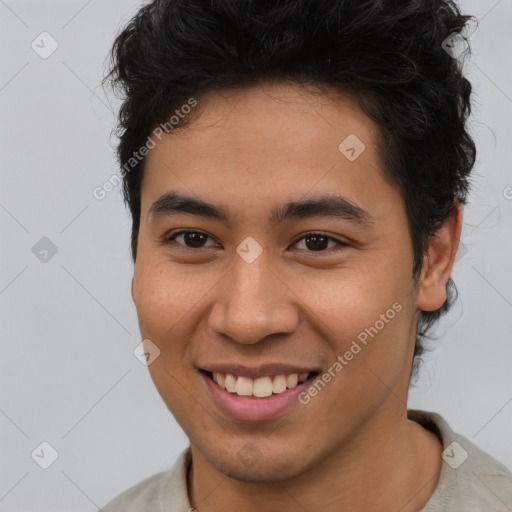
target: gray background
<point>68,326</point>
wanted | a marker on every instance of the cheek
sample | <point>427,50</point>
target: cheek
<point>362,311</point>
<point>165,299</point>
<point>166,295</point>
<point>348,300</point>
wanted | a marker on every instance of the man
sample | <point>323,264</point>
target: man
<point>296,172</point>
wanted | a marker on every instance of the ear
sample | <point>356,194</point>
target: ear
<point>133,293</point>
<point>438,262</point>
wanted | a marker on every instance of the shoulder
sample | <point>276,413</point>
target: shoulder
<point>167,488</point>
<point>470,479</point>
<point>483,482</point>
<point>142,496</point>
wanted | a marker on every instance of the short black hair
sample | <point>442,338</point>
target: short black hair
<point>390,55</point>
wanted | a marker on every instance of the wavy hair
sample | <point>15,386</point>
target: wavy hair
<point>389,54</point>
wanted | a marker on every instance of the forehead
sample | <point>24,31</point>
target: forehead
<point>300,116</point>
<point>269,144</point>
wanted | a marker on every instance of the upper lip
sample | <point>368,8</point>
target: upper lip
<point>255,372</point>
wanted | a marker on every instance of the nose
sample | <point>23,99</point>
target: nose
<point>253,303</point>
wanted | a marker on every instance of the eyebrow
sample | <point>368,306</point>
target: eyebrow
<point>336,206</point>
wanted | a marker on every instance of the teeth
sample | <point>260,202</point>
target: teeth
<point>292,380</point>
<point>279,384</point>
<point>260,388</point>
<point>230,383</point>
<point>243,386</point>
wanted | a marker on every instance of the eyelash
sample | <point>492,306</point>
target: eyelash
<point>170,238</point>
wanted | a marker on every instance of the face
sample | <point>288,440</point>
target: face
<point>254,290</point>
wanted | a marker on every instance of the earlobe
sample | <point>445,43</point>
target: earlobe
<point>438,262</point>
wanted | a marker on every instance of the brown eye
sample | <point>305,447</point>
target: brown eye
<point>190,240</point>
<point>318,242</point>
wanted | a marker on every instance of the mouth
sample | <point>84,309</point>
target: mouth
<point>245,399</point>
<point>261,387</point>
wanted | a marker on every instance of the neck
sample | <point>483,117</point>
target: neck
<point>391,461</point>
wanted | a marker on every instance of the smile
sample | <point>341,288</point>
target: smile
<point>259,388</point>
<point>266,397</point>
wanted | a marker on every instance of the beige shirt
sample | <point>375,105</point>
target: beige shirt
<point>470,480</point>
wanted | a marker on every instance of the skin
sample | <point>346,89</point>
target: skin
<point>352,446</point>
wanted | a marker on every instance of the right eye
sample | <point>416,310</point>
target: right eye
<point>191,239</point>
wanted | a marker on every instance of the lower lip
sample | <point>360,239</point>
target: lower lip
<point>254,409</point>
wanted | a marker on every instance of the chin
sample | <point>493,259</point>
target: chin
<point>261,468</point>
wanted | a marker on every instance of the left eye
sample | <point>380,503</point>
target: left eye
<point>317,242</point>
